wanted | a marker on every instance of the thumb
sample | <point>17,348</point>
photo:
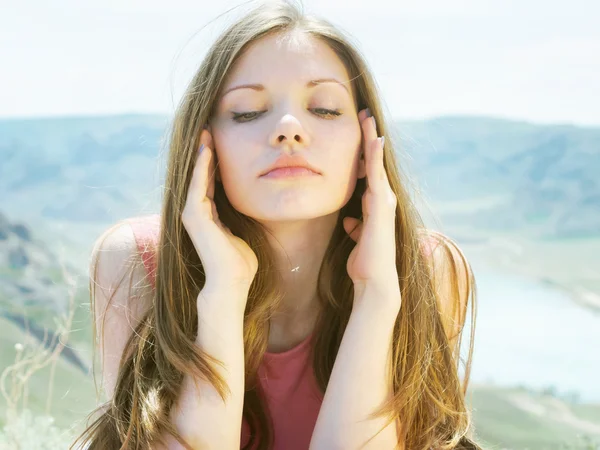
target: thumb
<point>352,227</point>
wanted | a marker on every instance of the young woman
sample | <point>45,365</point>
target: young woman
<point>288,295</point>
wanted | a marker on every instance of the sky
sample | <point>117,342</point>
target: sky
<point>532,60</point>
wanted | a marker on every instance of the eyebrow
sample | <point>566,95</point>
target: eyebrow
<point>310,84</point>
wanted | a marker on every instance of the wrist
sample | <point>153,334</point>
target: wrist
<point>384,299</point>
<point>230,301</point>
<point>220,321</point>
<point>226,287</point>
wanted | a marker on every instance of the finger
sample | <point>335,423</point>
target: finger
<point>198,183</point>
<point>375,169</point>
<point>353,227</point>
<point>212,167</point>
<point>380,145</point>
<point>362,115</point>
<point>369,133</point>
<point>215,214</point>
<point>198,190</point>
<point>369,129</point>
<point>364,203</point>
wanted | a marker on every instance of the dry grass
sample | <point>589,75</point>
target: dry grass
<point>23,428</point>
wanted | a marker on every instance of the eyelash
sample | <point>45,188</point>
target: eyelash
<point>330,112</point>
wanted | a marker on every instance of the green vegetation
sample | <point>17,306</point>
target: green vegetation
<point>47,399</point>
<point>523,198</point>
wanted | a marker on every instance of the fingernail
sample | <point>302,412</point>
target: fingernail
<point>382,141</point>
<point>374,123</point>
<point>368,112</point>
<point>200,149</point>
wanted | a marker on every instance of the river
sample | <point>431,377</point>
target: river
<point>528,334</point>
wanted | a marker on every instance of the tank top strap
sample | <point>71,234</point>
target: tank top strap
<point>146,231</point>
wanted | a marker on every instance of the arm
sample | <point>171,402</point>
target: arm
<point>364,350</point>
<point>114,283</point>
<point>199,412</point>
<point>362,361</point>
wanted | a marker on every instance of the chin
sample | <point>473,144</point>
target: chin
<point>291,204</point>
<point>291,213</point>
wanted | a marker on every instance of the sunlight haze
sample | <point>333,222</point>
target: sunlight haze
<point>529,59</point>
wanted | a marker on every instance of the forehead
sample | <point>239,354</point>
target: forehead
<point>287,57</point>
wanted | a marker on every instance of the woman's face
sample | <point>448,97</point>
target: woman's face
<point>288,116</point>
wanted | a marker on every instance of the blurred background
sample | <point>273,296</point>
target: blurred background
<point>495,109</point>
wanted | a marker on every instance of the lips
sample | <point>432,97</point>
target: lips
<point>290,172</point>
<point>290,162</point>
<point>291,169</point>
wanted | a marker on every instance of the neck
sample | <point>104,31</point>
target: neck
<point>299,248</point>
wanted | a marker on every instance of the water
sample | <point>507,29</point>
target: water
<point>527,333</point>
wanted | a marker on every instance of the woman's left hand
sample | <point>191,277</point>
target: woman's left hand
<point>372,263</point>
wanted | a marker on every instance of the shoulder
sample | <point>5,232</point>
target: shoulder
<point>440,249</point>
<point>113,247</point>
<point>119,295</point>
<point>117,257</point>
<point>123,240</point>
<point>124,235</point>
<point>146,225</point>
<point>452,279</point>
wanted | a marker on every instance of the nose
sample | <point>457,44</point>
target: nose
<point>290,133</point>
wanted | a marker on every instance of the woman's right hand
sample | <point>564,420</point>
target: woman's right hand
<point>229,263</point>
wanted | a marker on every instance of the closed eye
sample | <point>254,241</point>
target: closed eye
<point>251,115</point>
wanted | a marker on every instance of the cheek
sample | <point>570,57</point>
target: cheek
<point>342,170</point>
<point>234,183</point>
<point>343,151</point>
<point>233,158</point>
<point>231,170</point>
<point>350,137</point>
<point>236,171</point>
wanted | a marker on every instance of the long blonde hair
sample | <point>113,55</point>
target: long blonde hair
<point>429,398</point>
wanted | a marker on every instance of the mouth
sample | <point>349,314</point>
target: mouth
<point>290,172</point>
<point>290,166</point>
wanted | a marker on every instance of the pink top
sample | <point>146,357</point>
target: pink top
<point>289,384</point>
